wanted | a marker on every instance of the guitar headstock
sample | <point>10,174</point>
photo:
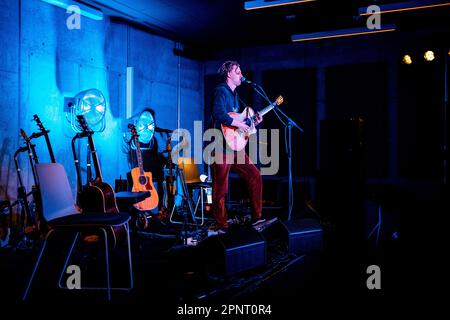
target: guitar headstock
<point>83,124</point>
<point>279,100</point>
<point>134,133</point>
<point>24,135</point>
<point>38,122</point>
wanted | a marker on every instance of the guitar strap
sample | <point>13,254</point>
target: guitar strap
<point>242,102</point>
<point>245,106</point>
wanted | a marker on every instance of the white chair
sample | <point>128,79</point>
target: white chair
<point>61,214</point>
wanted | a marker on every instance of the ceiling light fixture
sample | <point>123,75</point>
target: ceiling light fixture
<point>405,6</point>
<point>85,10</point>
<point>407,59</point>
<point>429,56</point>
<point>261,4</point>
<point>340,33</point>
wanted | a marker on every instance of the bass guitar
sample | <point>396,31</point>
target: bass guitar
<point>237,139</point>
<point>142,181</point>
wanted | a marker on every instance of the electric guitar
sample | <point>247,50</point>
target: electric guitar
<point>236,138</point>
<point>142,181</point>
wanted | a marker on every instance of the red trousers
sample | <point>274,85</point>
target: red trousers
<point>252,177</point>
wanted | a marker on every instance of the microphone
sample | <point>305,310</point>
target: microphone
<point>158,129</point>
<point>245,80</point>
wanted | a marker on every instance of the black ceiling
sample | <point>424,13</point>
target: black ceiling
<point>210,24</point>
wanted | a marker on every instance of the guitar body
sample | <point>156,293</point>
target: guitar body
<point>237,139</point>
<point>91,199</point>
<point>99,197</point>
<point>144,183</point>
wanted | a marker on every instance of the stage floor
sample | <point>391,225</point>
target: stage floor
<point>169,275</point>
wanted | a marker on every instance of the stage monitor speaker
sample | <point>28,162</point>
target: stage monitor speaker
<point>236,251</point>
<point>300,236</point>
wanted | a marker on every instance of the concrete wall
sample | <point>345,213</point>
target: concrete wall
<point>42,61</point>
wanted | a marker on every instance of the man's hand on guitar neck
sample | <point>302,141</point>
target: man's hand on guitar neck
<point>258,118</point>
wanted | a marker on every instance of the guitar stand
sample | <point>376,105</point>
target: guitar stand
<point>26,215</point>
<point>29,210</point>
<point>23,241</point>
<point>6,221</point>
<point>185,208</point>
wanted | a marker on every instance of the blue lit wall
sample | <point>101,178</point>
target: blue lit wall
<point>42,61</point>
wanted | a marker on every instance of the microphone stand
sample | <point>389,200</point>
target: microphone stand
<point>446,177</point>
<point>288,125</point>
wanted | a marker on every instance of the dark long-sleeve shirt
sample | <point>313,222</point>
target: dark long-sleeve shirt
<point>224,101</point>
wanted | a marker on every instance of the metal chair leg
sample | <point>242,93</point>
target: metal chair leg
<point>127,227</point>
<point>108,284</point>
<point>108,287</point>
<point>37,264</point>
<point>171,214</point>
<point>200,202</point>
<point>67,260</point>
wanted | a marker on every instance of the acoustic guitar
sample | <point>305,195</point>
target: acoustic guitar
<point>142,181</point>
<point>98,196</point>
<point>236,138</point>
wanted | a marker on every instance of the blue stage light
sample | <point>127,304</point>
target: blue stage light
<point>92,104</point>
<point>145,127</point>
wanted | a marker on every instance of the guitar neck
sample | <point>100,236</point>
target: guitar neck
<point>98,172</point>
<point>139,156</point>
<point>265,110</point>
<point>49,147</point>
<point>47,139</point>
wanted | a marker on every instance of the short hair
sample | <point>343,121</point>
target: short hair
<point>226,67</point>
